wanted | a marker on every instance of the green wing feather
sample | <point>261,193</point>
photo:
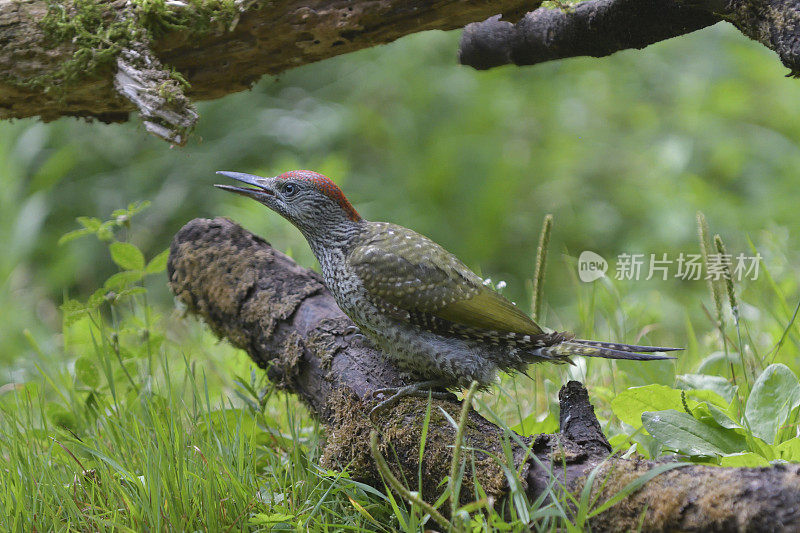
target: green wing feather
<point>488,310</point>
<point>408,271</point>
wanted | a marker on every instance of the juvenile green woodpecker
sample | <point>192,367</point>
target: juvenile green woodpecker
<point>417,302</point>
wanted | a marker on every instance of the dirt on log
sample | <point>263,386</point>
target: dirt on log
<point>284,318</point>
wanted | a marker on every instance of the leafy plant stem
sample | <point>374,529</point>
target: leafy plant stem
<point>454,485</point>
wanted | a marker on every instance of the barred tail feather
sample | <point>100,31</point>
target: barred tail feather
<point>625,347</point>
<point>564,350</point>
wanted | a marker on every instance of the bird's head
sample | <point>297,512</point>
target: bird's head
<point>307,199</point>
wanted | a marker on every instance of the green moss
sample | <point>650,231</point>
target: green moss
<point>96,32</point>
<point>198,17</point>
<point>100,34</point>
<point>172,89</point>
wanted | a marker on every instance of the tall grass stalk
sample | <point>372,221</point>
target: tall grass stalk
<point>713,288</point>
<point>541,263</point>
<point>734,304</point>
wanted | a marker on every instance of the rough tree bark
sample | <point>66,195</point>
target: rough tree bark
<point>288,323</point>
<point>599,28</point>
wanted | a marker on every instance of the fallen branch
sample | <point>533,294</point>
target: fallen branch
<point>282,315</point>
<point>598,28</point>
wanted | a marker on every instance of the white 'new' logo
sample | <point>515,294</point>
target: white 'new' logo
<point>591,266</point>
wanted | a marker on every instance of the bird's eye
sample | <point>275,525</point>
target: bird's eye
<point>290,189</point>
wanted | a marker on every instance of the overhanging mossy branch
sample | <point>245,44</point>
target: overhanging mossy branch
<point>60,57</point>
<point>281,314</point>
<point>93,58</point>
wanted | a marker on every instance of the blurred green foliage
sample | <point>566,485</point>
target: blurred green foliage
<point>622,151</point>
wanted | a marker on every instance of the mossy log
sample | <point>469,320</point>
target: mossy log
<point>282,315</point>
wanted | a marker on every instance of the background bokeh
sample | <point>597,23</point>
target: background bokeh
<point>622,151</point>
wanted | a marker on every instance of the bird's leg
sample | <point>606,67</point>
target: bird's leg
<point>422,389</point>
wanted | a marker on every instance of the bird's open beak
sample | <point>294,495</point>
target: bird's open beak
<point>262,185</point>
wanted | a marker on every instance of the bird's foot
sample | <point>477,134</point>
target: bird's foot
<point>423,389</point>
<point>352,330</point>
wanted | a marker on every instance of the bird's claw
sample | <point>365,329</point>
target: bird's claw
<point>386,390</point>
<point>354,331</point>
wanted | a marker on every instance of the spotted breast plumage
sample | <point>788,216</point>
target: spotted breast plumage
<point>416,301</point>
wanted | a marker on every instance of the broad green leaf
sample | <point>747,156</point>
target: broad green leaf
<point>707,396</point>
<point>747,459</point>
<point>631,403</point>
<point>126,255</point>
<point>789,450</point>
<point>158,263</point>
<point>708,413</point>
<point>722,418</point>
<point>131,291</point>
<point>105,233</point>
<point>133,208</point>
<point>775,393</point>
<point>90,223</point>
<point>717,384</point>
<point>531,426</point>
<point>74,234</point>
<point>688,435</point>
<point>121,280</point>
<point>87,372</point>
<point>761,448</point>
